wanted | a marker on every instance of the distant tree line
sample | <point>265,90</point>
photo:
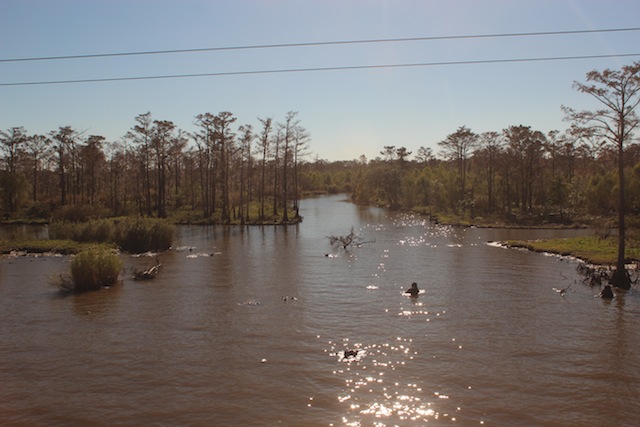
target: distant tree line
<point>239,174</point>
<point>516,174</point>
<point>218,172</point>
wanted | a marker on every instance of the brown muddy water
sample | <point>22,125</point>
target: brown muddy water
<point>247,326</point>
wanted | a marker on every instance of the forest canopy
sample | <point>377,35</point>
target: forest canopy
<point>220,172</point>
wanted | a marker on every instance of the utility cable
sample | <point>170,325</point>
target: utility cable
<point>319,69</point>
<point>323,43</point>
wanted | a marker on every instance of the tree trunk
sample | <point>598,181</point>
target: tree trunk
<point>621,277</point>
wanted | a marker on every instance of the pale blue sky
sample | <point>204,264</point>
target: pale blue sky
<point>348,113</point>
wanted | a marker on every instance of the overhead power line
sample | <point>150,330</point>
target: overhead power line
<point>340,68</point>
<point>322,43</point>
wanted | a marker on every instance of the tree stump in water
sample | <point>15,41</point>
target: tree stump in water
<point>607,292</point>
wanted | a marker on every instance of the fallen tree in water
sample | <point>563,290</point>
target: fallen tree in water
<point>351,239</point>
<point>147,274</point>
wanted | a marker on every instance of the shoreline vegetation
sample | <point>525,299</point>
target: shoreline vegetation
<point>78,237</point>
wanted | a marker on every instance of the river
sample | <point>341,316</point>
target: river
<point>248,326</point>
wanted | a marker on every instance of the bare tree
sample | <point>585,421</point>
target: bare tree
<point>118,159</point>
<point>176,155</point>
<point>163,135</point>
<point>245,139</point>
<point>64,137</point>
<point>288,130</point>
<point>263,146</point>
<point>491,144</point>
<point>11,143</point>
<point>37,148</point>
<point>301,146</point>
<point>389,153</point>
<point>93,158</point>
<point>205,141</point>
<point>402,154</point>
<point>618,92</point>
<point>276,143</point>
<point>141,135</point>
<point>425,155</point>
<point>225,139</point>
<point>458,146</point>
<point>525,148</point>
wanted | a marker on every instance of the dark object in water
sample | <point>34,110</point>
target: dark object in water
<point>350,353</point>
<point>607,292</point>
<point>147,274</point>
<point>413,290</point>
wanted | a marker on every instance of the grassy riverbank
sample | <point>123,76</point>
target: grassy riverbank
<point>590,248</point>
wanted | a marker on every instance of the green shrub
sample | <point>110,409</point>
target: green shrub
<point>95,268</point>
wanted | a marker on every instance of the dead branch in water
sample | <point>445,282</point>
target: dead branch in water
<point>147,274</point>
<point>351,239</point>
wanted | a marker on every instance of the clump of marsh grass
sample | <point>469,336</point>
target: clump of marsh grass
<point>94,269</point>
